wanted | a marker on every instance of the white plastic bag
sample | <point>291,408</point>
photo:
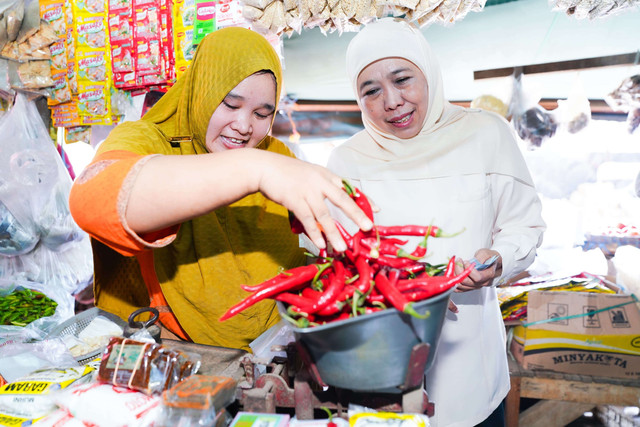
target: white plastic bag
<point>35,222</point>
<point>106,405</point>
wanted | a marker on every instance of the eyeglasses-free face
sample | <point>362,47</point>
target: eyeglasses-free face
<point>394,95</point>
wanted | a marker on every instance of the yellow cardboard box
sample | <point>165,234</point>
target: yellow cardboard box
<point>580,333</point>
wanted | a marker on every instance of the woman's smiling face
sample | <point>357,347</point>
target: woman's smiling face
<point>244,116</point>
<point>394,95</point>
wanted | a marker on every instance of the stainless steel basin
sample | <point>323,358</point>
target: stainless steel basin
<point>372,352</point>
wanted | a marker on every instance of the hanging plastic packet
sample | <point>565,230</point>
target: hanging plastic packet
<point>574,113</point>
<point>532,122</point>
<point>626,98</point>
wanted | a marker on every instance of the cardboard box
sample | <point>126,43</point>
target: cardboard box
<point>580,333</point>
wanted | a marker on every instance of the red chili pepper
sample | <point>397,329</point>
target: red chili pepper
<point>358,196</point>
<point>393,275</point>
<point>343,316</point>
<point>310,293</point>
<point>430,286</point>
<point>395,297</point>
<point>294,272</point>
<point>293,300</point>
<point>369,310</point>
<point>399,263</point>
<point>413,269</point>
<point>366,275</point>
<point>296,225</point>
<point>288,282</point>
<point>346,293</point>
<point>450,271</point>
<point>331,309</point>
<point>384,247</point>
<point>391,240</point>
<point>302,303</point>
<point>348,238</point>
<point>375,298</point>
<point>330,294</point>
<point>413,230</point>
<point>421,250</point>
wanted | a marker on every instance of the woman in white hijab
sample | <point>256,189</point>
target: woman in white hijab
<point>424,161</point>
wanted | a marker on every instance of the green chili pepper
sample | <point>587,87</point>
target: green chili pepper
<point>23,306</point>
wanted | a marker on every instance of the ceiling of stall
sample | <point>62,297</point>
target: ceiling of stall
<point>506,33</point>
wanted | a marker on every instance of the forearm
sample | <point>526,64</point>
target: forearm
<point>169,190</point>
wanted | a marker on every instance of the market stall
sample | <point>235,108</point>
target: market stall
<point>359,330</point>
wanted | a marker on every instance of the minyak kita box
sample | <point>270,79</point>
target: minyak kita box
<point>580,333</point>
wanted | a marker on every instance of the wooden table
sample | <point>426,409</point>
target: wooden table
<point>564,397</point>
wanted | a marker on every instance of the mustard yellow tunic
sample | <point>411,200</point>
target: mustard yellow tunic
<point>200,267</point>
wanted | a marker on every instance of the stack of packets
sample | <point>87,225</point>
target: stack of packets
<point>141,43</point>
<point>513,298</point>
<point>102,51</point>
<point>83,92</point>
<point>134,384</point>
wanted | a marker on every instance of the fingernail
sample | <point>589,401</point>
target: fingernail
<point>368,224</point>
<point>340,247</point>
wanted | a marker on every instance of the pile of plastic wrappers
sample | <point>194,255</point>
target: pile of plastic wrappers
<point>592,9</point>
<point>288,16</point>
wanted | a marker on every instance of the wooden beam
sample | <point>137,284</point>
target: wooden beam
<point>547,412</point>
<point>577,391</point>
<point>549,67</point>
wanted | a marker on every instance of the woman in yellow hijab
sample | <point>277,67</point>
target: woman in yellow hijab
<point>200,216</point>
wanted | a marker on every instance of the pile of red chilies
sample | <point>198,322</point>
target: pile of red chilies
<point>373,274</point>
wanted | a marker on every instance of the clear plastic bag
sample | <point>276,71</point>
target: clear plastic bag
<point>21,358</point>
<point>574,113</point>
<point>532,122</point>
<point>38,328</point>
<point>106,405</point>
<point>626,97</point>
<point>35,223</point>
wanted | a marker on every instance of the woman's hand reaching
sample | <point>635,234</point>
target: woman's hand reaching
<point>169,190</point>
<point>304,188</point>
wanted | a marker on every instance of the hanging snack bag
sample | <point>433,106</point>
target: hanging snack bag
<point>184,12</point>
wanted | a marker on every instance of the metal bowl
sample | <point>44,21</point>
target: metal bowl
<point>372,352</point>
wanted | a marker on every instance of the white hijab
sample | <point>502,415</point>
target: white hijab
<point>453,140</point>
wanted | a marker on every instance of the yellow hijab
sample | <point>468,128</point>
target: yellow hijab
<point>223,59</point>
<point>244,243</point>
